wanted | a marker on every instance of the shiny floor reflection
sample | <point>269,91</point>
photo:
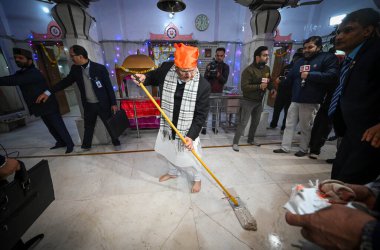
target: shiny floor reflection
<point>113,200</point>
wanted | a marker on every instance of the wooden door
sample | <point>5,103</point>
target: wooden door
<point>51,72</point>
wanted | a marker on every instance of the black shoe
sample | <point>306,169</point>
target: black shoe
<point>116,142</point>
<point>330,161</point>
<point>215,130</point>
<point>300,154</point>
<point>69,150</point>
<point>270,127</point>
<point>58,146</point>
<point>203,132</point>
<point>279,151</point>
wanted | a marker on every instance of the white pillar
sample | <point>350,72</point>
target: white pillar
<point>75,23</point>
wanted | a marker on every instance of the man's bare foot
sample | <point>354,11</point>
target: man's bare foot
<point>196,187</point>
<point>166,177</point>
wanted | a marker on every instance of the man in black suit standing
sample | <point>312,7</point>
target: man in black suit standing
<point>355,105</point>
<point>32,84</point>
<point>97,94</point>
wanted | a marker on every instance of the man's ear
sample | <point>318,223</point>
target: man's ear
<point>368,31</point>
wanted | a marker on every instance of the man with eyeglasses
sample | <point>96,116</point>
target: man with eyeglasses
<point>32,83</point>
<point>97,94</point>
<point>254,83</point>
<point>355,106</point>
<point>185,100</point>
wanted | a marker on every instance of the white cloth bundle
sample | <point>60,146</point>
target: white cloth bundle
<point>306,200</point>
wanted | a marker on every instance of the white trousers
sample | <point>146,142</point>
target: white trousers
<point>180,159</point>
<point>302,113</point>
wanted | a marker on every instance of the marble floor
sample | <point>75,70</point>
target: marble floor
<point>113,200</point>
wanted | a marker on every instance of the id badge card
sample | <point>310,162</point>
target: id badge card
<point>98,84</point>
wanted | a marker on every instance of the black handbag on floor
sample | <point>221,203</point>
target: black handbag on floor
<point>118,123</point>
<point>23,200</point>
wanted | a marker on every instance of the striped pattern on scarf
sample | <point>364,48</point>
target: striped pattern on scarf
<point>188,103</point>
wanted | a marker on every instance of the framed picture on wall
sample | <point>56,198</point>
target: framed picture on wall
<point>207,52</point>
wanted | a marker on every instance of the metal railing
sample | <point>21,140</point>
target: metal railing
<point>224,112</point>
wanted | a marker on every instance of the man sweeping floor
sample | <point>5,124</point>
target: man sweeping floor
<point>185,100</point>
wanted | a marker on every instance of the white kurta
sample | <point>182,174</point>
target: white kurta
<point>169,149</point>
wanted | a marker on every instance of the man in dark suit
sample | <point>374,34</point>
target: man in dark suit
<point>97,94</point>
<point>32,84</point>
<point>355,105</point>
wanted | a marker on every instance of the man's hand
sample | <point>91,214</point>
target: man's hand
<point>304,75</point>
<point>277,81</point>
<point>372,135</point>
<point>263,86</point>
<point>189,143</point>
<point>337,192</point>
<point>141,78</point>
<point>264,83</point>
<point>9,168</point>
<point>336,227</point>
<point>273,93</point>
<point>42,98</point>
<point>363,195</point>
<point>114,108</point>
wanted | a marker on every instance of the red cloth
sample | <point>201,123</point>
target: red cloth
<point>144,108</point>
<point>148,116</point>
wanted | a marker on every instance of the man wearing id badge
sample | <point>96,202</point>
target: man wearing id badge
<point>97,94</point>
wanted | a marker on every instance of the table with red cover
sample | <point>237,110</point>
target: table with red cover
<point>148,116</point>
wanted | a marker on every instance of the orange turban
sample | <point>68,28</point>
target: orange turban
<point>185,57</point>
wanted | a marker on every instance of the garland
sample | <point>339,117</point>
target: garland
<point>287,50</point>
<point>55,61</point>
<point>161,52</point>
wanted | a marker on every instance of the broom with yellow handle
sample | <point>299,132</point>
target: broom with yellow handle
<point>244,216</point>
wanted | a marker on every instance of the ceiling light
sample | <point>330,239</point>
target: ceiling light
<point>171,5</point>
<point>336,20</point>
<point>46,10</point>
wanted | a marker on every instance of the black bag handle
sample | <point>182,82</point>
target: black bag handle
<point>22,177</point>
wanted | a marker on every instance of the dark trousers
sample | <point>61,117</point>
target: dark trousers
<point>248,109</point>
<point>356,162</point>
<point>91,112</point>
<point>57,129</point>
<point>282,101</point>
<point>321,129</point>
